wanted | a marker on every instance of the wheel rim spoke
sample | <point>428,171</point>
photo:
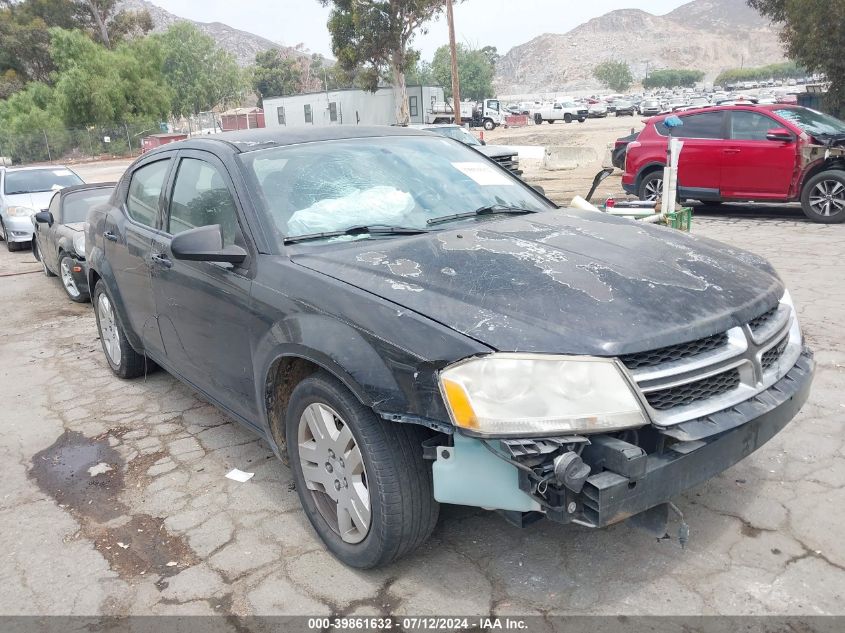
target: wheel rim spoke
<point>333,468</point>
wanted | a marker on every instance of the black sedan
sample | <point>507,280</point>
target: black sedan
<point>59,236</point>
<point>409,324</point>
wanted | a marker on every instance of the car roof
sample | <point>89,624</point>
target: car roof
<point>263,138</point>
<point>36,168</point>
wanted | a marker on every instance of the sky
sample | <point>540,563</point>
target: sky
<point>499,23</point>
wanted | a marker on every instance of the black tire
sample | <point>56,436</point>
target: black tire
<point>567,118</point>
<point>821,195</point>
<point>550,121</point>
<point>131,364</point>
<point>538,120</point>
<point>648,185</point>
<point>81,296</point>
<point>581,120</point>
<point>402,507</point>
<point>37,252</point>
<point>489,125</point>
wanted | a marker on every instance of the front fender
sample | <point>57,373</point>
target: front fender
<point>100,269</point>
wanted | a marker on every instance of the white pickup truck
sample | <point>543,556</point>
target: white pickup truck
<point>567,111</point>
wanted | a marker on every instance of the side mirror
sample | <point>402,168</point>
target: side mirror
<point>44,217</point>
<point>780,134</point>
<point>205,244</point>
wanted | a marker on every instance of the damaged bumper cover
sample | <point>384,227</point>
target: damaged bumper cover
<point>627,480</point>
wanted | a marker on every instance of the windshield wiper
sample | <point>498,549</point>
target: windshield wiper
<point>486,210</point>
<point>363,229</point>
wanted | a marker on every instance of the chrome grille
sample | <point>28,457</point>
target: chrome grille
<point>674,352</point>
<point>511,163</point>
<point>695,379</point>
<point>761,321</point>
<point>772,356</point>
<point>690,392</point>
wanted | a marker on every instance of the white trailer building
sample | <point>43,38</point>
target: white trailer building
<point>348,107</point>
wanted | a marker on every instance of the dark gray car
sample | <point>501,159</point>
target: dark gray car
<point>59,236</point>
<point>409,324</point>
<point>507,157</point>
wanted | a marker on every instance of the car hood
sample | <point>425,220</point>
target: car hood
<point>561,281</point>
<point>39,200</point>
<point>497,151</point>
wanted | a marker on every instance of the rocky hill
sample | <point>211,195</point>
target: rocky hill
<point>708,35</point>
<point>241,44</point>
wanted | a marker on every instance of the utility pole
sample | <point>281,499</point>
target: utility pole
<point>456,81</point>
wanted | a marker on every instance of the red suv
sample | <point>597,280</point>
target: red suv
<point>768,153</point>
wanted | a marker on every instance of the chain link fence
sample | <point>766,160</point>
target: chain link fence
<point>67,145</point>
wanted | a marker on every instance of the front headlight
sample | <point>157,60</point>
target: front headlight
<point>20,212</point>
<point>79,243</point>
<point>535,394</point>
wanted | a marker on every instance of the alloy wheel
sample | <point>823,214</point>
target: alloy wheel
<point>67,278</point>
<point>654,189</point>
<point>828,198</point>
<point>108,329</point>
<point>334,472</point>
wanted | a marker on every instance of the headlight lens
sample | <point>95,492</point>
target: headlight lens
<point>531,394</point>
<point>20,212</point>
<point>79,244</point>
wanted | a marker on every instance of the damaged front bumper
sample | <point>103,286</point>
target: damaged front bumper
<point>626,478</point>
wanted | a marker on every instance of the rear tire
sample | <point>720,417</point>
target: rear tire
<point>123,360</point>
<point>651,187</point>
<point>389,485</point>
<point>823,197</point>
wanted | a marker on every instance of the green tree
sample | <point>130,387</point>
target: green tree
<point>785,70</point>
<point>670,78</point>
<point>615,75</point>
<point>813,32</point>
<point>376,36</point>
<point>200,75</point>
<point>474,68</point>
<point>99,86</point>
<point>275,74</point>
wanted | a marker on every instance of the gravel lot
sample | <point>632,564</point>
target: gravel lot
<point>164,532</point>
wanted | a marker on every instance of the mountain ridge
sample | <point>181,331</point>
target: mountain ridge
<point>708,35</point>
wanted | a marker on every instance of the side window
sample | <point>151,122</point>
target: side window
<point>413,106</point>
<point>750,126</point>
<point>54,208</point>
<point>333,111</point>
<point>308,117</point>
<point>706,125</point>
<point>201,198</point>
<point>144,191</point>
<point>280,112</point>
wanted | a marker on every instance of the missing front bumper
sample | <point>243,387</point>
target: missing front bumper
<point>626,482</point>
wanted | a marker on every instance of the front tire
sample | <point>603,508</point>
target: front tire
<point>823,197</point>
<point>489,125</point>
<point>567,118</point>
<point>123,360</point>
<point>362,481</point>
<point>73,292</point>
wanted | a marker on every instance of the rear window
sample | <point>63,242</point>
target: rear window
<point>78,204</point>
<point>37,180</point>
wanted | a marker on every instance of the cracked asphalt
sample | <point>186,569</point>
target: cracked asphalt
<point>156,528</point>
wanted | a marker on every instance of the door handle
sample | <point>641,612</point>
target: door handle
<point>162,261</point>
<point>732,151</point>
<point>111,237</point>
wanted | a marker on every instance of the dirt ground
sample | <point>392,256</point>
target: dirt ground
<point>156,528</point>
